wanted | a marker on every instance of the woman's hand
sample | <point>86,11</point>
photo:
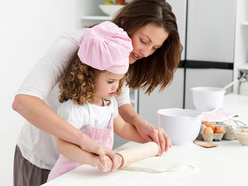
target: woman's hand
<point>152,133</point>
<point>145,129</point>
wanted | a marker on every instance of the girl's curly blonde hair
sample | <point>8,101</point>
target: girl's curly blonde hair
<point>78,83</point>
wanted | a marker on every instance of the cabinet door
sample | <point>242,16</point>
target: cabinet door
<point>211,29</point>
<point>171,97</point>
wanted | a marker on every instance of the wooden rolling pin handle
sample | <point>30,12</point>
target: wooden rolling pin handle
<point>138,153</point>
<point>100,168</point>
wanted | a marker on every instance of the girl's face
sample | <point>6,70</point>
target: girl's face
<point>146,40</point>
<point>106,85</point>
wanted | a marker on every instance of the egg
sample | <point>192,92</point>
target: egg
<point>218,129</point>
<point>206,123</point>
<point>212,126</point>
<point>208,130</point>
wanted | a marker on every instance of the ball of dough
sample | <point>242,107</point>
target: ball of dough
<point>218,129</point>
<point>208,130</point>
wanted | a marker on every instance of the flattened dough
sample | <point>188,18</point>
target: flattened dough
<point>158,165</point>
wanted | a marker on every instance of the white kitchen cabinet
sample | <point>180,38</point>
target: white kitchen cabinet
<point>211,30</point>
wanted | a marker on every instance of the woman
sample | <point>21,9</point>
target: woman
<point>156,53</point>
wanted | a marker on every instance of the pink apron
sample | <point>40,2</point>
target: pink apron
<point>105,137</point>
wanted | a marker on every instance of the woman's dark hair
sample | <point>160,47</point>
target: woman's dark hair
<point>158,68</point>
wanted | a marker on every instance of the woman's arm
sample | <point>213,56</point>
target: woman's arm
<point>145,129</point>
<point>43,117</point>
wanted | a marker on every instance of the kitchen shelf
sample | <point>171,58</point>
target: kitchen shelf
<point>243,66</point>
<point>104,18</point>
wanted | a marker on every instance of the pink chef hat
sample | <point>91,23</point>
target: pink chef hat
<point>106,47</point>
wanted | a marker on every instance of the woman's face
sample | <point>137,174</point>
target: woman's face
<point>146,40</point>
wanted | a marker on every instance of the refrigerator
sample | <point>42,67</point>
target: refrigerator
<point>210,45</point>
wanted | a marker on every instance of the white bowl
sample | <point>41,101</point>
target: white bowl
<point>207,98</point>
<point>241,132</point>
<point>110,9</point>
<point>182,125</point>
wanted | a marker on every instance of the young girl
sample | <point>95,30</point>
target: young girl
<point>87,89</point>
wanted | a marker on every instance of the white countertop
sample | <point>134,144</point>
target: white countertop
<point>237,104</point>
<point>226,164</point>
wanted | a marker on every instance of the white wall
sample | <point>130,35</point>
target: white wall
<point>27,29</point>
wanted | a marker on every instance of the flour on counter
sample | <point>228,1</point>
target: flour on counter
<point>158,165</point>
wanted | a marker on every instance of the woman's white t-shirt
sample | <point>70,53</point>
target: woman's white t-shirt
<point>37,146</point>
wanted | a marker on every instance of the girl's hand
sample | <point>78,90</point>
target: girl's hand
<point>109,165</point>
<point>103,154</point>
<point>110,161</point>
<point>156,134</point>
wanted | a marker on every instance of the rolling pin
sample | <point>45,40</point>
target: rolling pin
<point>137,153</point>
